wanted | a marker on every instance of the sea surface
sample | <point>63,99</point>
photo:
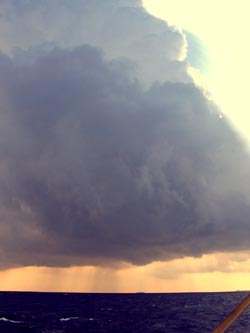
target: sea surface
<point>120,313</point>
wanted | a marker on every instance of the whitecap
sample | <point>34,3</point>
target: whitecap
<point>69,318</point>
<point>10,321</point>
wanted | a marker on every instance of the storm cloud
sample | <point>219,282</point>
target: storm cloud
<point>108,150</point>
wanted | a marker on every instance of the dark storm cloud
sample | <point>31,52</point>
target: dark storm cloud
<point>92,166</point>
<point>95,167</point>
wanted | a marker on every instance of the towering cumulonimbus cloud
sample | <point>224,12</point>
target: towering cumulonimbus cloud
<point>108,150</point>
<point>122,29</point>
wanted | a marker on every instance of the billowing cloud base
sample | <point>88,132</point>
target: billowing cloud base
<point>101,160</point>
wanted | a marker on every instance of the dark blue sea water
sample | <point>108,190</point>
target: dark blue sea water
<point>120,313</point>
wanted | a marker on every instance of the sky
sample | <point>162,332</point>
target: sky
<point>124,146</point>
<point>222,28</point>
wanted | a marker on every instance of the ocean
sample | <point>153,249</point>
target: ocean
<point>118,313</point>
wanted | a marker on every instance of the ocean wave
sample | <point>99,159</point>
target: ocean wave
<point>10,321</point>
<point>69,318</point>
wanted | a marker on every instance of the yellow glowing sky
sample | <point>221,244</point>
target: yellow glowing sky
<point>223,27</point>
<point>214,272</point>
